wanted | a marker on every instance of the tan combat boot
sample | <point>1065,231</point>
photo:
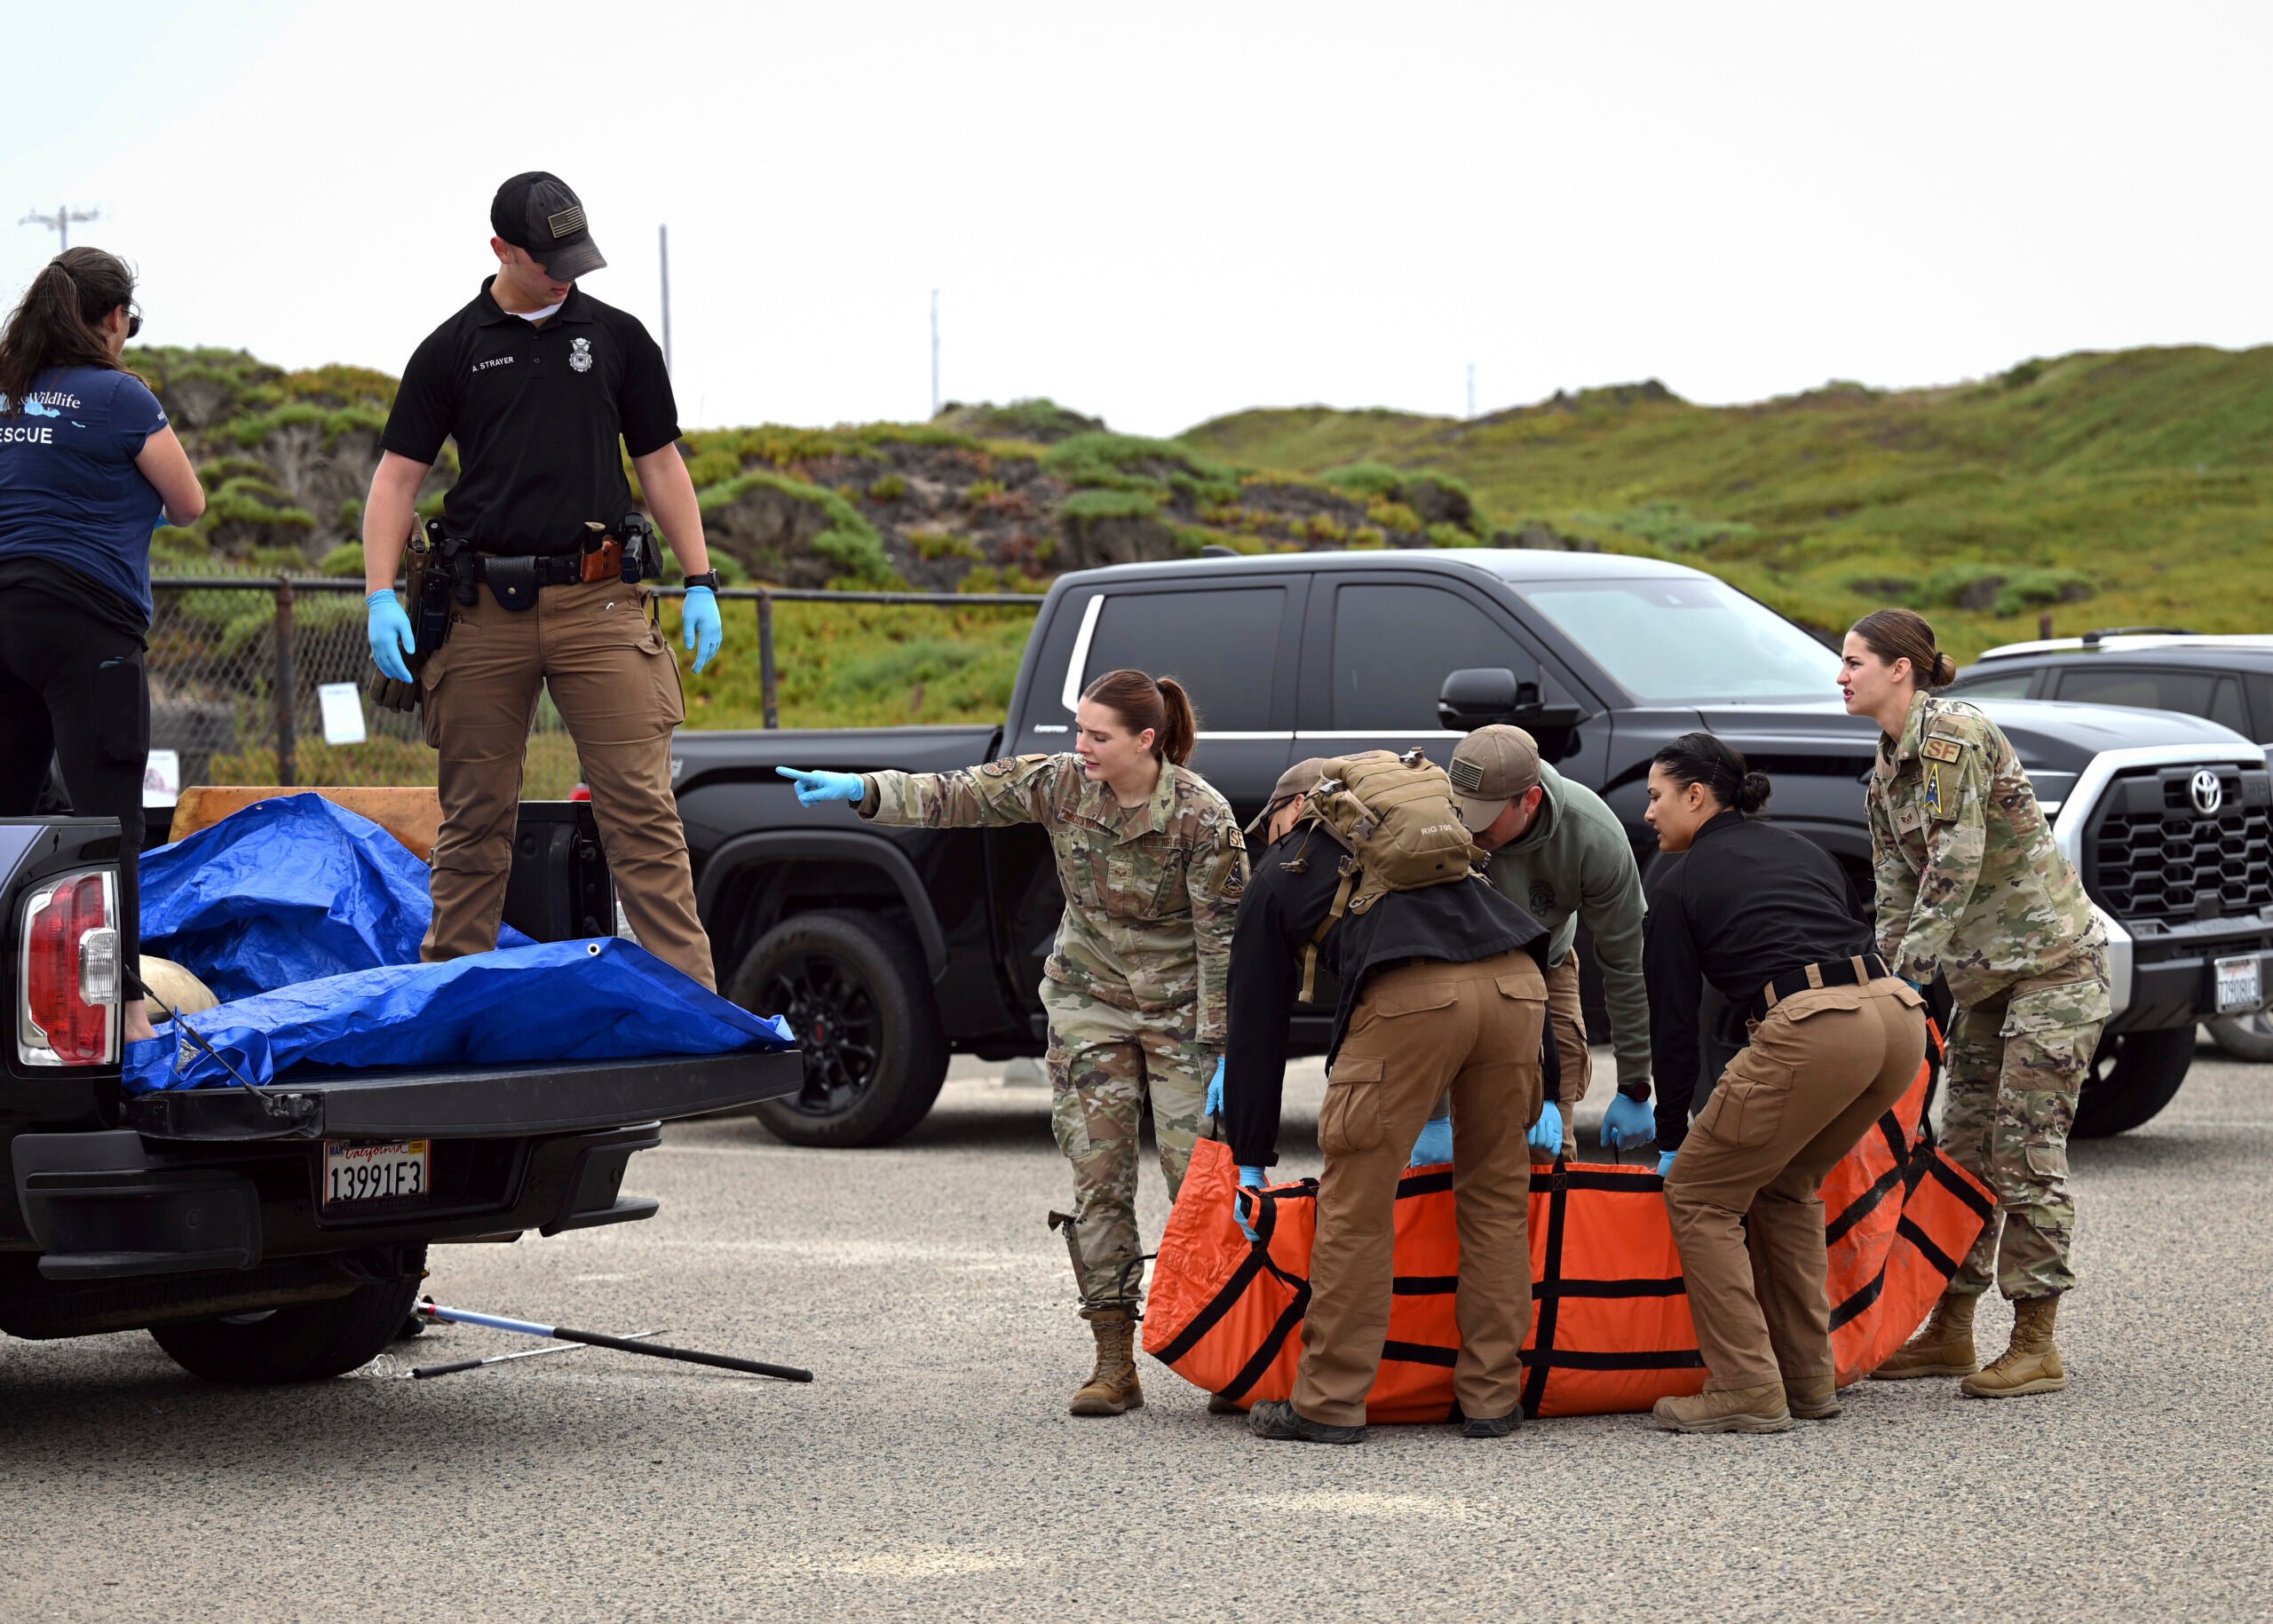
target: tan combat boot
<point>2031,1364</point>
<point>1112,1388</point>
<point>1812,1398</point>
<point>1731,1409</point>
<point>1944,1347</point>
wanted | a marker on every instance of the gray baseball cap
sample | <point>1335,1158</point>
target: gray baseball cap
<point>536,211</point>
<point>1300,778</point>
<point>1490,767</point>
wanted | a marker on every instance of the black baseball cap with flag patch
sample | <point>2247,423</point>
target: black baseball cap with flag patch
<point>536,211</point>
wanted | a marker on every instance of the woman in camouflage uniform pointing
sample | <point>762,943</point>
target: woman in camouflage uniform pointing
<point>1152,863</point>
<point>1970,883</point>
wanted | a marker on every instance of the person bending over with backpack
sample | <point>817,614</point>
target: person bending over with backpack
<point>1442,987</point>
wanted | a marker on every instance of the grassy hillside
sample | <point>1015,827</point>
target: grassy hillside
<point>985,499</point>
<point>2110,490</point>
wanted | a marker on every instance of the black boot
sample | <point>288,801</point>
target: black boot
<point>1280,1422</point>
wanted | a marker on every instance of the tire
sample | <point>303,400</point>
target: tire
<point>2133,1077</point>
<point>2244,1037</point>
<point>308,1341</point>
<point>855,992</point>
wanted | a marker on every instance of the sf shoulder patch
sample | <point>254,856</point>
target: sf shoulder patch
<point>1940,747</point>
<point>1939,794</point>
<point>1001,769</point>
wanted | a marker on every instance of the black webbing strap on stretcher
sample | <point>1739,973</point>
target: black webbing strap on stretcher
<point>1548,1292</point>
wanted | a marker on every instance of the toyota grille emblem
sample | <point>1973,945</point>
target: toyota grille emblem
<point>2209,794</point>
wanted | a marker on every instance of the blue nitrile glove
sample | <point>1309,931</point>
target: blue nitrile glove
<point>1250,1179</point>
<point>1547,1133</point>
<point>1916,986</point>
<point>1665,1164</point>
<point>1215,1106</point>
<point>1435,1143</point>
<point>390,632</point>
<point>1628,1122</point>
<point>814,788</point>
<point>703,631</point>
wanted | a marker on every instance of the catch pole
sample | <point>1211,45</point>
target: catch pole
<point>432,1310</point>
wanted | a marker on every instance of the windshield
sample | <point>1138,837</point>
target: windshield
<point>1687,640</point>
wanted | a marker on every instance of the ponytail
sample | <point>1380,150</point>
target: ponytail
<point>1141,703</point>
<point>1904,634</point>
<point>1701,758</point>
<point>1179,723</point>
<point>59,320</point>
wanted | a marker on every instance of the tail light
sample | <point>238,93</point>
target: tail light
<point>67,1005</point>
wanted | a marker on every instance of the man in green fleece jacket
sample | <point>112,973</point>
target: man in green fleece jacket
<point>1560,854</point>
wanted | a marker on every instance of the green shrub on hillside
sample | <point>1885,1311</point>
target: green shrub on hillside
<point>1090,506</point>
<point>849,540</point>
<point>1365,478</point>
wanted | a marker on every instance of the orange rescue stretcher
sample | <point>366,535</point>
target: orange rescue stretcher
<point>1611,1330</point>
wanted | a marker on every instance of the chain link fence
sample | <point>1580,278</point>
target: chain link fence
<point>237,664</point>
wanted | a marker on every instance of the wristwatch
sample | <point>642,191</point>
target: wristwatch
<point>709,577</point>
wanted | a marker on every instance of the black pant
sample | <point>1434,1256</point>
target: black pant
<point>73,686</point>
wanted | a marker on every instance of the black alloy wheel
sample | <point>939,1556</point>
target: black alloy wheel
<point>856,993</point>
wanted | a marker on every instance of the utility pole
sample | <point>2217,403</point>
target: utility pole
<point>1471,389</point>
<point>663,249</point>
<point>61,221</point>
<point>935,351</point>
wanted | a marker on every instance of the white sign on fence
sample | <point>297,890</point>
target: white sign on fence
<point>162,778</point>
<point>343,712</point>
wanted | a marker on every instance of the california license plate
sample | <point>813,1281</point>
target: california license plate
<point>2240,987</point>
<point>357,1173</point>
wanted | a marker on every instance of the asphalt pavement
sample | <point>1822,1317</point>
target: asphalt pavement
<point>932,1470</point>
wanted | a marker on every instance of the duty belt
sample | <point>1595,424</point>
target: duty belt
<point>1831,972</point>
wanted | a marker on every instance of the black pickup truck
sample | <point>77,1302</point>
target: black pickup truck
<point>890,948</point>
<point>279,1234</point>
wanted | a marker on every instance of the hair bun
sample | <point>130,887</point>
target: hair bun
<point>1944,671</point>
<point>1753,792</point>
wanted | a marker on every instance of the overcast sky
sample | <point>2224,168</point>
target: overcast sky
<point>1162,213</point>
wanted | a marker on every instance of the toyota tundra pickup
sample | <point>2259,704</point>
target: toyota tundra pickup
<point>278,1233</point>
<point>890,948</point>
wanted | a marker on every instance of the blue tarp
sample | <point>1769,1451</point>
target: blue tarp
<point>306,920</point>
<point>600,1000</point>
<point>288,890</point>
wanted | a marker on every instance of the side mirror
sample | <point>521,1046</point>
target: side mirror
<point>1476,698</point>
<point>1484,695</point>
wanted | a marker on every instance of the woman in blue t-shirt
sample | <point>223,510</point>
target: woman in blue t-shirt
<point>88,468</point>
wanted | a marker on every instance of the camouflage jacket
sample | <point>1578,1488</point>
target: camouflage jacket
<point>1150,890</point>
<point>1969,882</point>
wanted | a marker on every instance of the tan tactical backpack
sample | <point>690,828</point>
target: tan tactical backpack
<point>1396,820</point>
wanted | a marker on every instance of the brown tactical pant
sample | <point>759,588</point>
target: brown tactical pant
<point>1420,1029</point>
<point>1825,1064</point>
<point>616,686</point>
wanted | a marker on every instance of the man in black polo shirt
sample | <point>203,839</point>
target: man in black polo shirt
<point>543,388</point>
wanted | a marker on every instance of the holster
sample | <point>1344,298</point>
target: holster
<point>423,574</point>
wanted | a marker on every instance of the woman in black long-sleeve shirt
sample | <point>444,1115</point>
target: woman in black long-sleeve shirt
<point>1765,915</point>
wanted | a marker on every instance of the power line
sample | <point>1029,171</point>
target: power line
<point>61,221</point>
